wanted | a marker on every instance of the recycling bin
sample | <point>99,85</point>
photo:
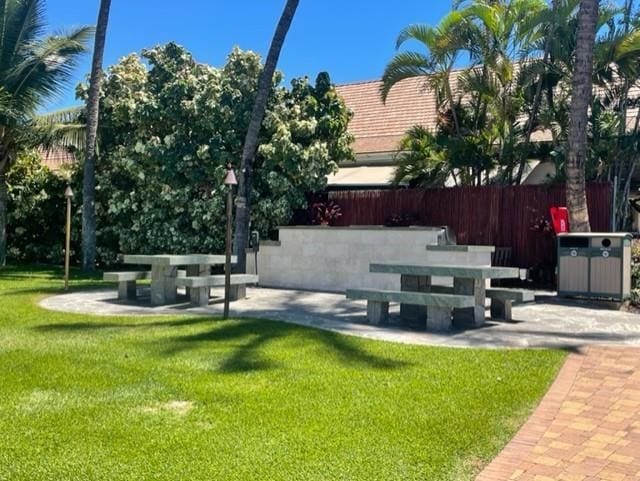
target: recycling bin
<point>594,265</point>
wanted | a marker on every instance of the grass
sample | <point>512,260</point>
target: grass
<point>197,398</point>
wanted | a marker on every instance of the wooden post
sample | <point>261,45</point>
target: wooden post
<point>227,261</point>
<point>68,193</point>
<point>229,181</point>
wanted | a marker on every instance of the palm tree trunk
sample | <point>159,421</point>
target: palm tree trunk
<point>581,94</point>
<point>93,106</point>
<point>245,181</point>
<point>4,197</point>
<point>454,114</point>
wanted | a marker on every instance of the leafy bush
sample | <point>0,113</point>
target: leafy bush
<point>325,213</point>
<point>35,229</point>
<point>635,271</point>
<point>169,127</point>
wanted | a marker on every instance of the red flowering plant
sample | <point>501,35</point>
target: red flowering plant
<point>325,213</point>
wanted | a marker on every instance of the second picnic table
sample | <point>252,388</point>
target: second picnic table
<point>467,280</point>
<point>164,271</point>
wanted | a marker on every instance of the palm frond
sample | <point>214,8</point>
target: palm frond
<point>24,23</point>
<point>62,128</point>
<point>419,32</point>
<point>404,65</point>
<point>47,69</point>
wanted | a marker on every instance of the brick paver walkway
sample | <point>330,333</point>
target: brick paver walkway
<point>587,426</point>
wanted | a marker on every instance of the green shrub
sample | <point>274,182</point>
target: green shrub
<point>635,271</point>
<point>35,229</point>
<point>169,127</point>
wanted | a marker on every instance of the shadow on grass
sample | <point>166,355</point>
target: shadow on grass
<point>257,333</point>
<point>246,339</point>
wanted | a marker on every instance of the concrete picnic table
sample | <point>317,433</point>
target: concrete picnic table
<point>467,280</point>
<point>164,271</point>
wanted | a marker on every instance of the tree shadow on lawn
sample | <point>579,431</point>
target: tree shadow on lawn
<point>257,333</point>
<point>248,337</point>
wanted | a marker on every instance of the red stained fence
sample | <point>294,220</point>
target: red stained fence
<point>491,215</point>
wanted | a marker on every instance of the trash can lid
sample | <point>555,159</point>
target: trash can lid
<point>597,234</point>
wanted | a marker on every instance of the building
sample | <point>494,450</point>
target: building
<point>378,128</point>
<point>56,158</point>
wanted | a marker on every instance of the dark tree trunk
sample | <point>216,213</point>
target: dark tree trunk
<point>4,197</point>
<point>89,179</point>
<point>581,93</point>
<point>245,180</point>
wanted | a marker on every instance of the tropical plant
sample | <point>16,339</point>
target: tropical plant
<point>250,146</point>
<point>33,69</point>
<point>35,227</point>
<point>93,99</point>
<point>494,36</point>
<point>421,161</point>
<point>325,213</point>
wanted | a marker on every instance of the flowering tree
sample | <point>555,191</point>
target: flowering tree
<point>167,131</point>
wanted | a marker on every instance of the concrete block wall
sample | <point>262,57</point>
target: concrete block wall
<point>334,259</point>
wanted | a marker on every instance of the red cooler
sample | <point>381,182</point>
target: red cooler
<point>560,219</point>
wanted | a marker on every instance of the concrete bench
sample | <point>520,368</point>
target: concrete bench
<point>439,306</point>
<point>502,299</point>
<point>126,282</point>
<point>199,286</point>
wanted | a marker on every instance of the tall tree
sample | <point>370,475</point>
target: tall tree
<point>245,181</point>
<point>33,68</point>
<point>93,106</point>
<point>581,95</point>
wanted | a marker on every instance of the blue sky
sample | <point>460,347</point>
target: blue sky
<point>351,39</point>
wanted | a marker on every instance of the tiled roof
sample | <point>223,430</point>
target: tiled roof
<point>56,158</point>
<point>378,126</point>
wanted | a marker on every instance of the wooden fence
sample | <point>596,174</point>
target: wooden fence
<point>492,215</point>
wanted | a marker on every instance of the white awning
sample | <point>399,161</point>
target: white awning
<point>359,176</point>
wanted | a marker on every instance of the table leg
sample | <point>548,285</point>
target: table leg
<point>198,295</point>
<point>470,316</point>
<point>163,285</point>
<point>412,312</point>
<point>438,318</point>
<point>377,312</point>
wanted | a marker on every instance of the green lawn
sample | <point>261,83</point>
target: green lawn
<point>196,398</point>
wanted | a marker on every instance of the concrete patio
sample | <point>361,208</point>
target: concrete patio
<point>546,323</point>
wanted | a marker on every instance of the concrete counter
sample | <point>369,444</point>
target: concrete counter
<point>334,259</point>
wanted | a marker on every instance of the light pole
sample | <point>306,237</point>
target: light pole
<point>229,181</point>
<point>68,194</point>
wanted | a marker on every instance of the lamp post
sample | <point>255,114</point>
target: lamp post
<point>68,194</point>
<point>229,181</point>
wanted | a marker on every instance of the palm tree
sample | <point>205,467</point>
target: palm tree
<point>33,69</point>
<point>89,181</point>
<point>245,181</point>
<point>442,44</point>
<point>581,95</point>
<point>493,35</point>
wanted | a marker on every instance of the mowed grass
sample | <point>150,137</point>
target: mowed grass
<point>198,398</point>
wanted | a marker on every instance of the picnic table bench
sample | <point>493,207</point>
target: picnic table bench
<point>163,274</point>
<point>439,306</point>
<point>467,280</point>
<point>127,288</point>
<point>200,285</point>
<point>502,299</point>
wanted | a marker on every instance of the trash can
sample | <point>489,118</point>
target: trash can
<point>594,265</point>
